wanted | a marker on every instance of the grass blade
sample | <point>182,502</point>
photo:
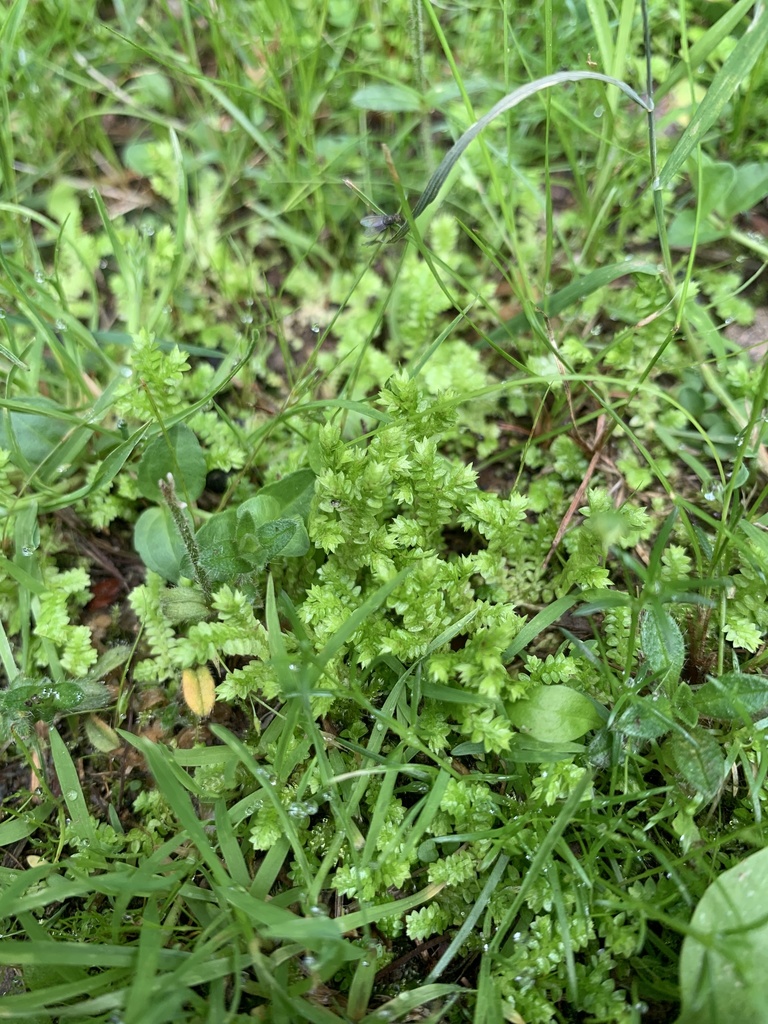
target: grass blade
<point>143,989</point>
<point>703,48</point>
<point>507,102</point>
<point>71,789</point>
<point>734,71</point>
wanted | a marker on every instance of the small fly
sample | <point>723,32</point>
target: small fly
<point>376,223</point>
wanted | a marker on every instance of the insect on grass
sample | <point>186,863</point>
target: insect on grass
<point>375,224</point>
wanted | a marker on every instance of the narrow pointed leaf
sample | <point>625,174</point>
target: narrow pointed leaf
<point>728,79</point>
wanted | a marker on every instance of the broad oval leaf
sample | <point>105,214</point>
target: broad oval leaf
<point>684,228</point>
<point>157,541</point>
<point>388,97</point>
<point>262,508</point>
<point>722,965</point>
<point>554,714</point>
<point>750,188</point>
<point>718,179</point>
<point>283,537</point>
<point>298,545</point>
<point>527,748</point>
<point>34,435</point>
<point>184,604</point>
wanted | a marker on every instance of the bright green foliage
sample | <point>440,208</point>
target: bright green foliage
<point>266,829</point>
<point>605,526</point>
<point>617,626</point>
<point>747,617</point>
<point>416,308</point>
<point>235,632</point>
<point>154,388</point>
<point>419,301</point>
<point>53,621</point>
<point>386,507</point>
<point>556,783</point>
<point>467,745</point>
<point>222,448</point>
<point>158,630</point>
<point>555,668</point>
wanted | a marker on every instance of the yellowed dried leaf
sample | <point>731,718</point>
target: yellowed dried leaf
<point>199,690</point>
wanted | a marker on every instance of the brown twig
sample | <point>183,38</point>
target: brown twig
<point>603,432</point>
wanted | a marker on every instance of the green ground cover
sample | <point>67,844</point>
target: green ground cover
<point>383,607</point>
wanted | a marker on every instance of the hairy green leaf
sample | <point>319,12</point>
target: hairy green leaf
<point>733,696</point>
<point>180,454</point>
<point>662,644</point>
<point>646,718</point>
<point>698,758</point>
